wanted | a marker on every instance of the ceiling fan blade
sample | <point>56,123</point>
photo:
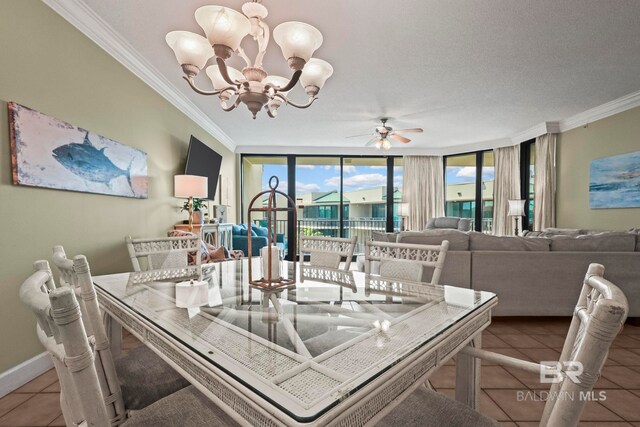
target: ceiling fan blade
<point>414,130</point>
<point>371,142</point>
<point>399,138</point>
<point>358,136</point>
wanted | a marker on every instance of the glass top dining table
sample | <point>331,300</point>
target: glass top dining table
<point>305,348</point>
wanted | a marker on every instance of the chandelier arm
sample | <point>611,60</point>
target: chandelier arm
<point>224,107</point>
<point>223,71</point>
<point>263,42</point>
<point>200,91</point>
<point>302,106</point>
<point>244,56</point>
<point>292,82</point>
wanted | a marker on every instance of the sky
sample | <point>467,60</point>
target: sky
<point>320,178</point>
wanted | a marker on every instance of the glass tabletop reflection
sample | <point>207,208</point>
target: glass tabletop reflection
<point>305,347</point>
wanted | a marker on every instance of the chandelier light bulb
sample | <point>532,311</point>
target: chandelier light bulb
<point>378,144</point>
<point>386,144</point>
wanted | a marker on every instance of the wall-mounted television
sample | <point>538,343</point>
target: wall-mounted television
<point>203,161</point>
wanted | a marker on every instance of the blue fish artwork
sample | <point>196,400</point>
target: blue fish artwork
<point>47,152</point>
<point>88,162</point>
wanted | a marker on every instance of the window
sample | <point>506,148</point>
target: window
<point>335,196</point>
<point>460,186</point>
<point>469,188</point>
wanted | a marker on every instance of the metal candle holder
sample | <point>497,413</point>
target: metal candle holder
<point>271,211</point>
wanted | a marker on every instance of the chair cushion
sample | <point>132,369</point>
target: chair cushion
<point>426,408</point>
<point>186,408</point>
<point>145,378</point>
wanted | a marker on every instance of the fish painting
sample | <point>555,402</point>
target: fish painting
<point>88,162</point>
<point>47,152</point>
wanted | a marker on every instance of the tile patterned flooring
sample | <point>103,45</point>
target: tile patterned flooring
<point>535,339</point>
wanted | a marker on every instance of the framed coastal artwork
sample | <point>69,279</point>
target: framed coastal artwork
<point>614,182</point>
<point>47,152</point>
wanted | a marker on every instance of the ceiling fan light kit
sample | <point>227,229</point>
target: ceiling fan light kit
<point>225,29</point>
<point>383,133</point>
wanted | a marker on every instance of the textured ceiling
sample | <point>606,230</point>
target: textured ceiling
<point>465,71</point>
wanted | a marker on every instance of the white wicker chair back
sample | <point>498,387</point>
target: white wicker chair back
<point>598,318</point>
<point>77,272</point>
<point>62,333</point>
<point>327,252</point>
<point>408,256</point>
<point>163,252</point>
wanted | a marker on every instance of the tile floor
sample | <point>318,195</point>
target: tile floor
<point>37,403</point>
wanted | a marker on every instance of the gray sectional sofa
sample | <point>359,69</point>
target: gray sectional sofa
<point>537,275</point>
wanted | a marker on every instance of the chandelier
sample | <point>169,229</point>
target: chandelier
<point>225,28</point>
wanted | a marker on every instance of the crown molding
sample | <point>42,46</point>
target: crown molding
<point>616,106</point>
<point>95,28</point>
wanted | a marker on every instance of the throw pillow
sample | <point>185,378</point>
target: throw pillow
<point>218,254</point>
<point>253,233</point>
<point>260,231</point>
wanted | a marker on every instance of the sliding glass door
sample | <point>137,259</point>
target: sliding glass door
<point>335,196</point>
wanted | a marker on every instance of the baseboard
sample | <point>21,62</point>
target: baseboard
<point>19,375</point>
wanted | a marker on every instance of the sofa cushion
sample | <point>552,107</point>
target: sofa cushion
<point>602,242</point>
<point>236,229</point>
<point>552,231</point>
<point>486,242</point>
<point>458,241</point>
<point>379,236</point>
<point>260,231</point>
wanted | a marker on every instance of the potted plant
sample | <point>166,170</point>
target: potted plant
<point>198,206</point>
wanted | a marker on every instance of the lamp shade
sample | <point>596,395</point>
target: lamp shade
<point>213,71</point>
<point>315,73</point>
<point>278,81</point>
<point>403,209</point>
<point>189,48</point>
<point>297,39</point>
<point>516,207</point>
<point>222,25</point>
<point>190,186</point>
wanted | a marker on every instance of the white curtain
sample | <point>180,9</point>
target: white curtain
<point>545,182</point>
<point>423,189</point>
<point>506,187</point>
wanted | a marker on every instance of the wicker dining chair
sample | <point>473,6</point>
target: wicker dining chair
<point>131,381</point>
<point>405,261</point>
<point>327,251</point>
<point>597,319</point>
<point>164,252</point>
<point>61,331</point>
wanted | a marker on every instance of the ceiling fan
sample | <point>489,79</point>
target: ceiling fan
<point>384,133</point>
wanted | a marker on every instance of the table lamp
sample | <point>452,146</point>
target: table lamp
<point>403,212</point>
<point>190,186</point>
<point>516,208</point>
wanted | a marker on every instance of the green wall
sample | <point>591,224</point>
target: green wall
<point>613,135</point>
<point>51,67</point>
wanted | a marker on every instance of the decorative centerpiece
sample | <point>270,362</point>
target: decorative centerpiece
<point>270,255</point>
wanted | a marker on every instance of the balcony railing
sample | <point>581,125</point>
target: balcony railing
<point>360,227</point>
